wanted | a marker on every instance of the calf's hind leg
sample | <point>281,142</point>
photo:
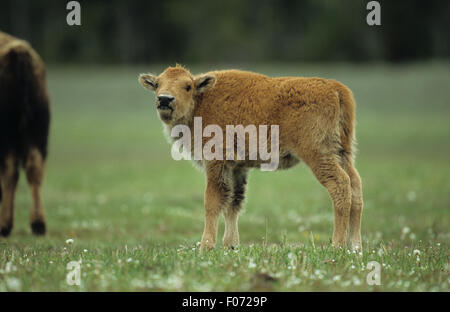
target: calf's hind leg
<point>35,169</point>
<point>330,174</point>
<point>9,176</point>
<point>357,205</point>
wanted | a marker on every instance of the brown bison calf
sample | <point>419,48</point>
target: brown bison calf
<point>316,125</point>
<point>24,126</point>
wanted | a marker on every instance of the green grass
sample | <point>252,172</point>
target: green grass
<point>136,215</point>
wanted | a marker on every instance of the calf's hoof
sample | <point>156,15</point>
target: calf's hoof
<point>206,245</point>
<point>5,230</point>
<point>231,242</point>
<point>231,245</point>
<point>38,227</point>
<point>338,242</point>
<point>357,246</point>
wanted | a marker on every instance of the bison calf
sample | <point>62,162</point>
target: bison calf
<point>316,125</point>
<point>24,126</point>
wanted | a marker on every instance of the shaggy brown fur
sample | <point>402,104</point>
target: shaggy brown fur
<point>316,124</point>
<point>24,125</point>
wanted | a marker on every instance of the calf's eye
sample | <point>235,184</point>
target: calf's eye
<point>188,88</point>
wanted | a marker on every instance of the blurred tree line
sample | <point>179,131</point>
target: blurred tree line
<point>230,31</point>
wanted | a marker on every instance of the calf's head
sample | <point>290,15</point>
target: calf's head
<point>175,91</point>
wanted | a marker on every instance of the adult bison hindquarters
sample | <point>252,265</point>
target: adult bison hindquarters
<point>315,118</point>
<point>24,127</point>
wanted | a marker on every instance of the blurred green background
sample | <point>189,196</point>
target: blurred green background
<point>231,31</point>
<point>112,185</point>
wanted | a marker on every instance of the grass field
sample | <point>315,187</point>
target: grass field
<point>136,216</point>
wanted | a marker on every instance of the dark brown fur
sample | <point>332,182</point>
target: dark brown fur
<point>24,127</point>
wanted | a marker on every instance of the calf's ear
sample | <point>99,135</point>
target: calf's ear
<point>204,82</point>
<point>148,81</point>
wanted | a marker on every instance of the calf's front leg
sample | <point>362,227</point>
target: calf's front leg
<point>216,194</point>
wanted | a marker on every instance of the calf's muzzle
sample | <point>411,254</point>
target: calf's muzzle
<point>165,101</point>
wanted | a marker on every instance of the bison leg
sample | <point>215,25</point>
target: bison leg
<point>9,176</point>
<point>35,168</point>
<point>335,179</point>
<point>217,196</point>
<point>231,213</point>
<point>356,206</point>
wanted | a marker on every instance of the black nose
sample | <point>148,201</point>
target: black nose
<point>165,100</point>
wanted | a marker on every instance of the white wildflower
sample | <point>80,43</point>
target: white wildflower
<point>356,281</point>
<point>9,267</point>
<point>137,283</point>
<point>319,274</point>
<point>405,231</point>
<point>411,196</point>
<point>13,284</point>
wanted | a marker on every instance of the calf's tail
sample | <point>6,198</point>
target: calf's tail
<point>346,121</point>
